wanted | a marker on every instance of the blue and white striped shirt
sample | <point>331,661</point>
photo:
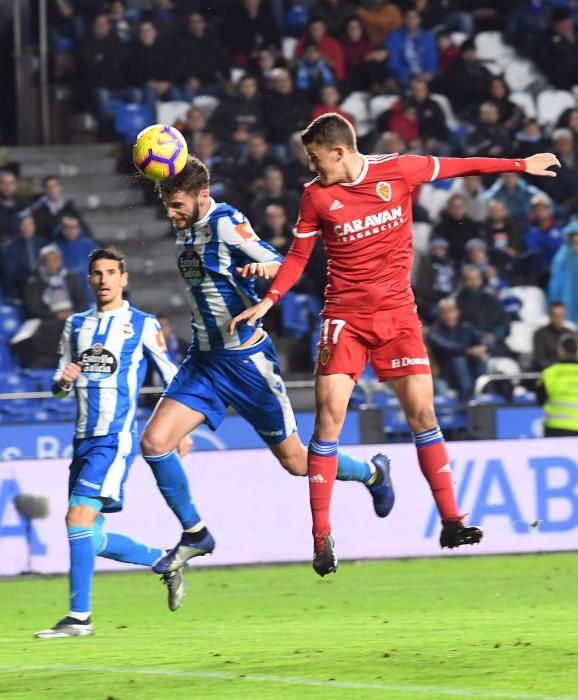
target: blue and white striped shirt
<point>113,348</point>
<point>207,256</point>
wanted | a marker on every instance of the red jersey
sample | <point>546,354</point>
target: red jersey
<point>366,228</point>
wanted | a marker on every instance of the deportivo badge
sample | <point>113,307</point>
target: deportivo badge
<point>383,189</point>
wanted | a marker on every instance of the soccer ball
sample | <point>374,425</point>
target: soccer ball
<point>160,152</point>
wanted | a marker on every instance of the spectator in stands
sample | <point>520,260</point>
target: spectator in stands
<point>483,311</point>
<point>379,18</point>
<point>103,71</point>
<point>434,278</point>
<point>11,204</point>
<point>286,110</point>
<point>274,192</point>
<point>529,139</point>
<point>515,193</point>
<point>204,63</point>
<point>544,237</point>
<point>488,138</point>
<point>176,346</point>
<point>558,51</point>
<point>505,240</point>
<point>221,166</point>
<point>546,338</point>
<point>431,120</point>
<point>511,114</point>
<point>297,171</point>
<point>276,228</point>
<point>163,16</point>
<point>456,226</point>
<point>448,15</point>
<point>52,294</point>
<point>195,124</point>
<point>412,51</point>
<point>365,63</point>
<point>448,54</point>
<point>403,120</point>
<point>476,255</point>
<point>312,73</point>
<point>525,25</point>
<point>122,22</point>
<point>569,120</point>
<point>329,48</point>
<point>75,244</point>
<point>49,209</point>
<point>468,81</point>
<point>329,102</point>
<point>558,391</point>
<point>333,13</point>
<point>472,190</point>
<point>263,66</point>
<point>19,258</point>
<point>250,26</point>
<point>459,349</point>
<point>563,188</point>
<point>239,115</point>
<point>252,167</point>
<point>563,284</point>
<point>151,66</point>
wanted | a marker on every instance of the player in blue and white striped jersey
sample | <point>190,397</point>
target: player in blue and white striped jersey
<point>218,253</point>
<point>103,355</point>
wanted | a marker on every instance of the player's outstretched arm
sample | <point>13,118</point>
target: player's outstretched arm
<point>539,163</point>
<point>267,270</point>
<point>251,315</point>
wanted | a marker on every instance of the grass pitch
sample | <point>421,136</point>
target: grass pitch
<point>476,627</point>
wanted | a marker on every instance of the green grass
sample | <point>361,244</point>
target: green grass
<point>492,627</point>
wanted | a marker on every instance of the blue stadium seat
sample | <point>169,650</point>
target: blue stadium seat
<point>130,119</point>
<point>296,312</point>
<point>11,318</point>
<point>8,360</point>
<point>40,379</point>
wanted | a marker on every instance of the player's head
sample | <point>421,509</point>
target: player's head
<point>186,195</point>
<point>329,140</point>
<point>107,276</point>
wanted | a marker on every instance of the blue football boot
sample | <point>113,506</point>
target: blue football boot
<point>382,489</point>
<point>190,545</point>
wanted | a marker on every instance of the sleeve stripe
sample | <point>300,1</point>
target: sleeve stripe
<point>436,170</point>
<point>308,234</point>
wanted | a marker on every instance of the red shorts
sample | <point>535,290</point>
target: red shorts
<point>390,340</point>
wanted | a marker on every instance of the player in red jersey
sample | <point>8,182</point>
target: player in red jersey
<point>361,207</point>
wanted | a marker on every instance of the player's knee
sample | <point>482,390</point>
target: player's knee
<point>80,516</point>
<point>294,464</point>
<point>421,418</point>
<point>153,442</point>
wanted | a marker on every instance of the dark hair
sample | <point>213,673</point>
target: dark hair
<point>569,345</point>
<point>193,178</point>
<point>330,130</point>
<point>108,253</point>
<point>50,177</point>
<point>556,304</point>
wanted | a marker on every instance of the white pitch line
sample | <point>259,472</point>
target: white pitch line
<point>286,680</point>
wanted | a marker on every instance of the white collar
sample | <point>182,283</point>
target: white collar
<point>115,312</point>
<point>201,222</point>
<point>361,175</point>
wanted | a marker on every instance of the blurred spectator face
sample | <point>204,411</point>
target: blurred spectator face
<point>274,181</point>
<point>330,96</point>
<point>117,9</point>
<point>412,21</point>
<point>298,151</point>
<point>541,213</point>
<point>7,185</point>
<point>196,24</point>
<point>449,313</point>
<point>354,30</point>
<point>564,26</point>
<point>257,147</point>
<point>477,254</point>
<point>26,227</point>
<point>195,120</point>
<point>444,41</point>
<point>147,33</point>
<point>282,81</point>
<point>558,315</point>
<point>252,6</point>
<point>311,54</point>
<point>101,27</point>
<point>489,114</point>
<point>317,31</point>
<point>473,184</point>
<point>497,211</point>
<point>205,146</point>
<point>439,249</point>
<point>472,278</point>
<point>419,90</point>
<point>70,228</point>
<point>498,89</point>
<point>510,181</point>
<point>275,218</point>
<point>163,4</point>
<point>469,55</point>
<point>392,143</point>
<point>532,129</point>
<point>53,189</point>
<point>248,88</point>
<point>457,208</point>
<point>563,142</point>
<point>266,60</point>
<point>573,120</point>
<point>52,262</point>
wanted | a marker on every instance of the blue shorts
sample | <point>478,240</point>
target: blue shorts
<point>100,467</point>
<point>248,380</point>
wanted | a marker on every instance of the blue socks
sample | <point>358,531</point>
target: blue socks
<point>351,469</point>
<point>81,568</point>
<point>173,484</point>
<point>114,545</point>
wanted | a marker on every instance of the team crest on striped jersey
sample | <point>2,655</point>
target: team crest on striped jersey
<point>383,189</point>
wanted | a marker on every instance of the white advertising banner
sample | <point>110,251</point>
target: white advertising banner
<point>524,493</point>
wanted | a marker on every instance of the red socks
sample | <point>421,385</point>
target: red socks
<point>435,466</point>
<point>322,470</point>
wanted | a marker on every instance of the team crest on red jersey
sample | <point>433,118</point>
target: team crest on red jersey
<point>383,189</point>
<point>324,355</point>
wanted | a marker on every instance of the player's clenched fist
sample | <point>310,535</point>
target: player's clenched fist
<point>251,315</point>
<point>70,374</point>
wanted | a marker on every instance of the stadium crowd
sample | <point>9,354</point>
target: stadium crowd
<point>269,67</point>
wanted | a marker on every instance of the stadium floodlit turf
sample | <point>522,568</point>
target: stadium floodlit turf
<point>475,627</point>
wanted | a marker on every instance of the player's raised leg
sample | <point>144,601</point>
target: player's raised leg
<point>170,423</point>
<point>415,393</point>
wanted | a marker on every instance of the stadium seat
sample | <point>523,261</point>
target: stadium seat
<point>357,105</point>
<point>207,104</point>
<point>11,318</point>
<point>296,314</point>
<point>40,379</point>
<point>534,304</point>
<point>421,236</point>
<point>444,103</point>
<point>458,38</point>
<point>503,365</point>
<point>288,47</point>
<point>434,199</point>
<point>131,119</point>
<point>171,112</point>
<point>551,104</point>
<point>380,104</point>
<point>490,47</point>
<point>8,360</point>
<point>520,339</point>
<point>519,74</point>
<point>526,101</point>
